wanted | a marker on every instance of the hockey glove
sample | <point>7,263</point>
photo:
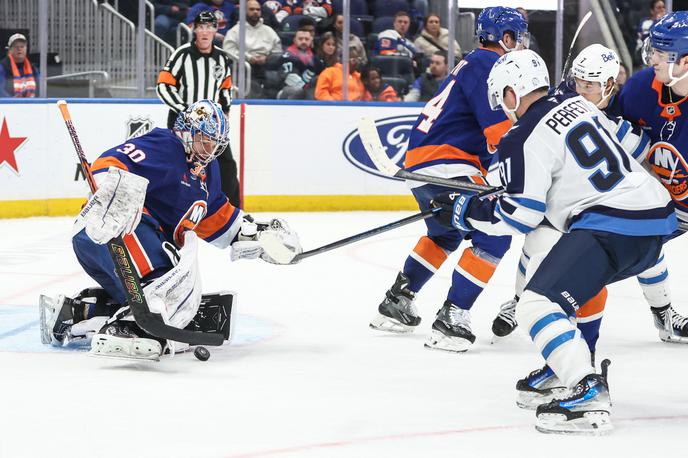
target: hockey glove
<point>272,241</point>
<point>115,209</point>
<point>454,211</point>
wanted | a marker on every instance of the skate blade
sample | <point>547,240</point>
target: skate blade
<point>664,336</point>
<point>387,324</point>
<point>103,346</point>
<point>595,423</point>
<point>438,341</point>
<point>530,401</point>
<point>497,339</point>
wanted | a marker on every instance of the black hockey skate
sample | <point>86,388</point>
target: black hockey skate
<point>124,339</point>
<point>539,387</point>
<point>397,312</point>
<point>584,412</point>
<point>672,326</point>
<point>505,321</point>
<point>451,330</point>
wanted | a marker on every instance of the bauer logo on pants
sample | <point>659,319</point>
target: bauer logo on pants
<point>394,133</point>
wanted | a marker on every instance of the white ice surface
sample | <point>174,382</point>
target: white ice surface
<point>306,377</point>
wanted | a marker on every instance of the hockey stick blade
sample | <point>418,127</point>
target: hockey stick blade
<point>150,322</point>
<point>373,146</point>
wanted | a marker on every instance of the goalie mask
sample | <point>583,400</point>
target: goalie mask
<point>204,130</point>
<point>522,71</point>
<point>591,71</point>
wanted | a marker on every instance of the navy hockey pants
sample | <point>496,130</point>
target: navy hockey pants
<point>145,247</point>
<point>582,262</point>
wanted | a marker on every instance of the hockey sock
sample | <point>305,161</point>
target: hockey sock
<point>470,276</point>
<point>521,274</point>
<point>555,336</point>
<point>423,262</point>
<point>589,318</point>
<point>655,284</point>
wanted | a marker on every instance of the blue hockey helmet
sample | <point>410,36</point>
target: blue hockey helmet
<point>204,130</point>
<point>494,21</point>
<point>670,35</point>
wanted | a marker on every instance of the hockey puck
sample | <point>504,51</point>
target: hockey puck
<point>202,353</point>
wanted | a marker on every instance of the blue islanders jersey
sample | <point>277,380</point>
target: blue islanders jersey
<point>663,120</point>
<point>562,161</point>
<point>181,195</point>
<point>456,127</point>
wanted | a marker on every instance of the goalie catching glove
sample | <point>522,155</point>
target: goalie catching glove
<point>272,241</point>
<point>115,208</point>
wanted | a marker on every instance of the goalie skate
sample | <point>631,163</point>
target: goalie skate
<point>584,412</point>
<point>397,312</point>
<point>539,387</point>
<point>55,319</point>
<point>451,330</point>
<point>119,340</point>
<point>672,326</point>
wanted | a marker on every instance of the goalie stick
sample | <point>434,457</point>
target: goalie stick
<point>150,322</point>
<point>373,146</point>
<point>282,255</point>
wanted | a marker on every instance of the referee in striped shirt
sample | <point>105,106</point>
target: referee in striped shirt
<point>195,71</point>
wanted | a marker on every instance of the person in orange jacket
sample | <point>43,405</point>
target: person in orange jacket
<point>329,86</point>
<point>376,89</point>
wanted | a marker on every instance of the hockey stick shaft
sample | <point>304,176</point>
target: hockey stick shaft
<point>150,322</point>
<point>573,43</point>
<point>364,235</point>
<point>373,146</point>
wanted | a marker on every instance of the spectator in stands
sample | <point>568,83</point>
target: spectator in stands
<point>657,10</point>
<point>261,42</point>
<point>223,10</point>
<point>168,15</point>
<point>277,8</point>
<point>18,78</point>
<point>425,87</point>
<point>329,86</point>
<point>300,67</point>
<point>376,89</point>
<point>393,42</point>
<point>354,41</point>
<point>533,44</point>
<point>327,49</point>
<point>308,24</point>
<point>196,71</point>
<point>319,10</point>
<point>434,38</point>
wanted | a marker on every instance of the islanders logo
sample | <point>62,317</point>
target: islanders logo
<point>671,168</point>
<point>394,133</point>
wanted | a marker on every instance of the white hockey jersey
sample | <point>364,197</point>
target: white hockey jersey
<point>564,161</point>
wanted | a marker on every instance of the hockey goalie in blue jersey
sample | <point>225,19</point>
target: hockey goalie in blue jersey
<point>561,161</point>
<point>162,192</point>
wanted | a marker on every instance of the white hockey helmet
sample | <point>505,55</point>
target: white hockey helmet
<point>596,64</point>
<point>523,71</point>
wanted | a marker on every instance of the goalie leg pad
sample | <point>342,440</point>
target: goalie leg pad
<point>215,314</point>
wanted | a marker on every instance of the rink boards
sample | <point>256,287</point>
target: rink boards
<point>293,156</point>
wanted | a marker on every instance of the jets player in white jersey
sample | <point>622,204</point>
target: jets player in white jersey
<point>593,76</point>
<point>561,161</point>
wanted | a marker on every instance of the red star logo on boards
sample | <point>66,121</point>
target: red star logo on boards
<point>8,146</point>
